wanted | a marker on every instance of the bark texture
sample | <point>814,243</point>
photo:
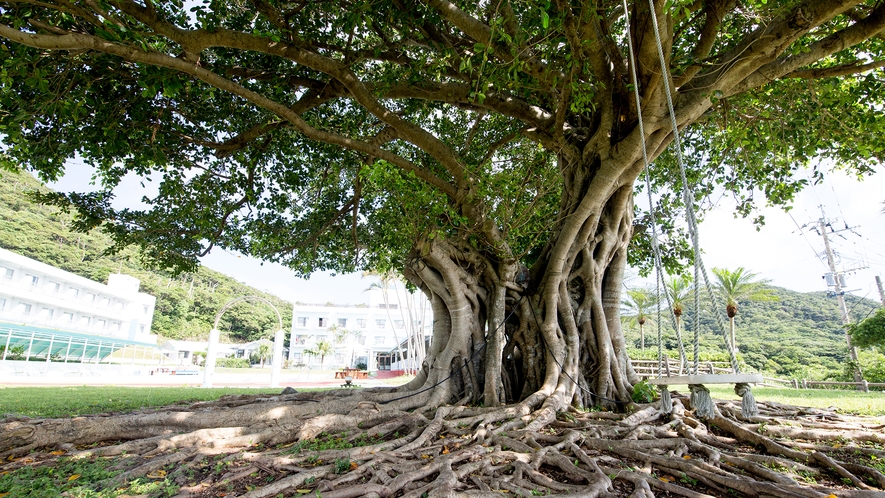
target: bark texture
<point>365,444</point>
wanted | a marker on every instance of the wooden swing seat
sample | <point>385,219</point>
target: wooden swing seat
<point>744,378</point>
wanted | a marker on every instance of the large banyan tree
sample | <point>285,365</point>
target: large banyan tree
<point>489,151</point>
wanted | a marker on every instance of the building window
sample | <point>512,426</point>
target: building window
<point>47,313</point>
<point>33,279</point>
<point>361,340</point>
<point>90,298</point>
<point>100,324</point>
<point>119,305</point>
<point>380,323</point>
<point>342,322</point>
<point>361,323</point>
<point>321,338</point>
<point>399,324</point>
<point>144,309</point>
<point>26,309</point>
<point>302,321</point>
<point>2,303</point>
<point>7,273</point>
<point>300,339</point>
<point>296,358</point>
<point>379,340</point>
<point>55,287</point>
<point>67,317</point>
<point>106,302</point>
<point>322,322</point>
<point>141,329</point>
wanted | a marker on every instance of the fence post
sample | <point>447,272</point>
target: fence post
<point>795,384</point>
<point>804,385</point>
<point>864,386</point>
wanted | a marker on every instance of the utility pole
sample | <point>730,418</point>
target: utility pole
<point>881,292</point>
<point>840,295</point>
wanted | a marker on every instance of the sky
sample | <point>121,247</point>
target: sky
<point>786,250</point>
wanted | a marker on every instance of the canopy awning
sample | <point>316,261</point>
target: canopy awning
<point>29,341</point>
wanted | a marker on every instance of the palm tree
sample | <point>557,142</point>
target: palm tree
<point>263,352</point>
<point>638,307</point>
<point>321,349</point>
<point>740,284</point>
<point>341,335</point>
<point>678,288</point>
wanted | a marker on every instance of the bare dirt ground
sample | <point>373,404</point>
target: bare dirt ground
<point>342,444</point>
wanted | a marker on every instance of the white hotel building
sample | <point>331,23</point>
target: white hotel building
<point>38,296</point>
<point>374,330</point>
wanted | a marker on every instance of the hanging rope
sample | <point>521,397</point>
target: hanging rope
<point>666,403</point>
<point>700,395</point>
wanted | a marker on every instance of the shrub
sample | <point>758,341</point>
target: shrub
<point>233,363</point>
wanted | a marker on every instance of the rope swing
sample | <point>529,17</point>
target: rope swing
<point>700,395</point>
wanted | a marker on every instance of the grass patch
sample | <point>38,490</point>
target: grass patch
<point>57,402</point>
<point>326,441</point>
<point>78,478</point>
<point>871,403</point>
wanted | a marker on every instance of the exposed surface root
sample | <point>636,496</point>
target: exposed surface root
<point>338,447</point>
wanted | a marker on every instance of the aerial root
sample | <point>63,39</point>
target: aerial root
<point>367,449</point>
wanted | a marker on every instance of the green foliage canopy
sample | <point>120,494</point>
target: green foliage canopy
<point>186,303</point>
<point>870,332</point>
<point>334,135</point>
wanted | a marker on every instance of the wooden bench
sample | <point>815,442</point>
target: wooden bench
<point>355,374</point>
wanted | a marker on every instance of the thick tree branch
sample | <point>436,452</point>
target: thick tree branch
<point>80,41</point>
<point>836,42</point>
<point>763,46</point>
<point>832,72</point>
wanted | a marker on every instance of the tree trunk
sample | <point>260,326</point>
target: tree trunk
<point>558,341</point>
<point>731,333</point>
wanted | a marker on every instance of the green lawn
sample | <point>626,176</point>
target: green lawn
<point>82,400</point>
<point>871,403</point>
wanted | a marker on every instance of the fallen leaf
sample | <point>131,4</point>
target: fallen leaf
<point>445,450</point>
<point>686,457</point>
<point>74,477</point>
<point>157,474</point>
<point>425,456</point>
<point>302,491</point>
<point>3,494</point>
<point>57,452</point>
<point>832,496</point>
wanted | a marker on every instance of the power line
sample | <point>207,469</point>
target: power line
<point>804,236</point>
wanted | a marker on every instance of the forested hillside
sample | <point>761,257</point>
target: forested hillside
<point>186,304</point>
<point>797,336</point>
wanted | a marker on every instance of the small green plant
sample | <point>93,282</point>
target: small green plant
<point>342,465</point>
<point>81,478</point>
<point>807,476</point>
<point>643,392</point>
<point>685,479</point>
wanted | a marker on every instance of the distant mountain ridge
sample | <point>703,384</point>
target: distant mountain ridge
<point>186,304</point>
<point>798,336</point>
